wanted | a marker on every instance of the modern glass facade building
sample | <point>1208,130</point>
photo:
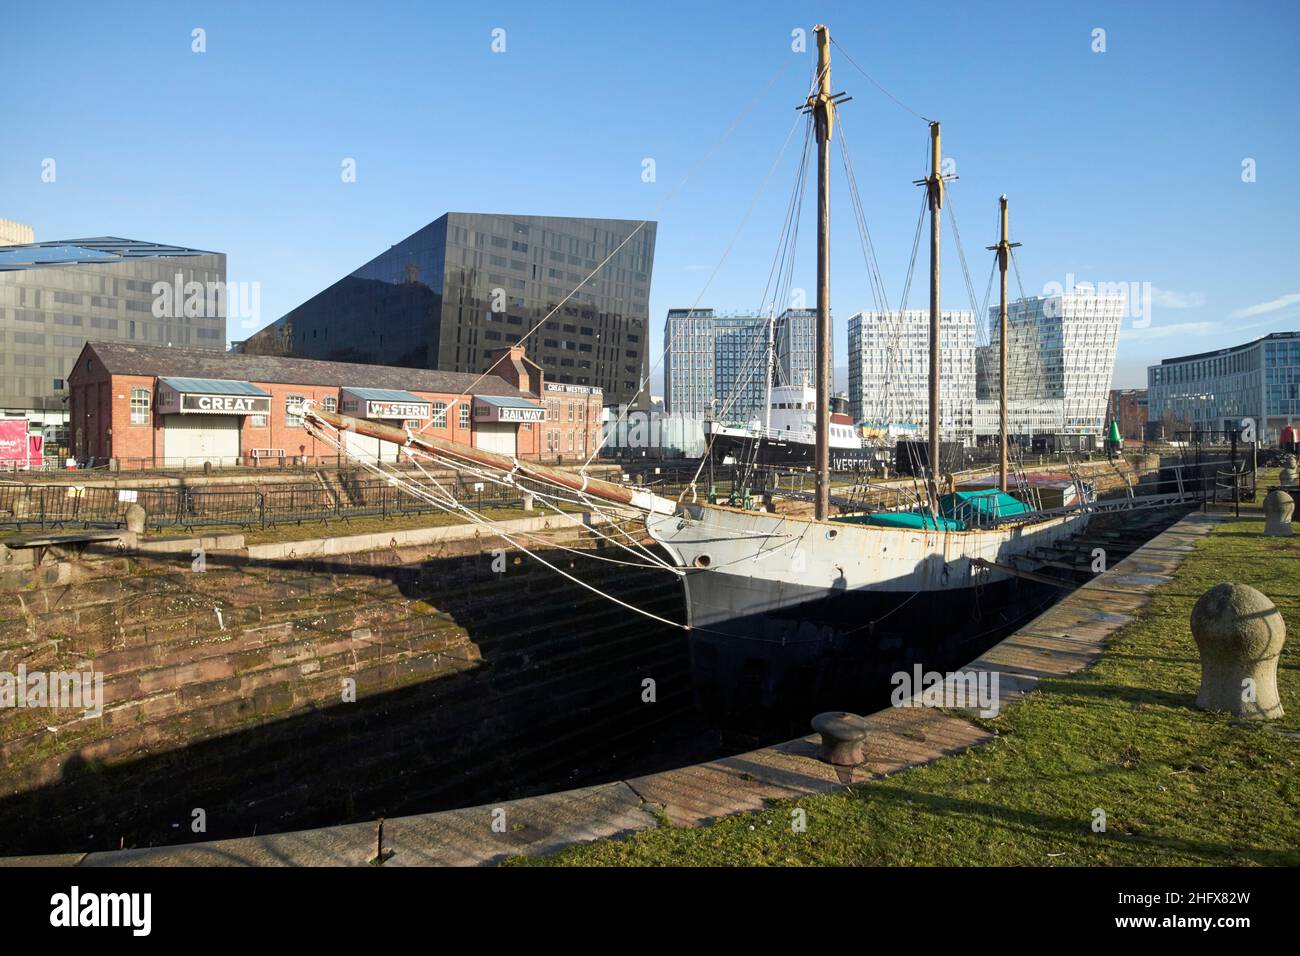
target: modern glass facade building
<point>56,295</point>
<point>1061,359</point>
<point>1215,391</point>
<point>468,283</point>
<point>716,365</point>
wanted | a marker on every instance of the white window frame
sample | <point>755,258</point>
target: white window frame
<point>141,402</point>
<point>293,410</point>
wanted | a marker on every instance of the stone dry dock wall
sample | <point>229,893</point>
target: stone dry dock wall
<point>223,688</point>
<point>1065,639</point>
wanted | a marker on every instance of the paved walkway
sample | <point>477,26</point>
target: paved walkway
<point>1064,639</point>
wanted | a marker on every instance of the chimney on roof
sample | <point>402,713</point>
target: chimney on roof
<point>515,368</point>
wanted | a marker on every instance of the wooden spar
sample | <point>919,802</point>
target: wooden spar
<point>823,109</point>
<point>935,184</point>
<point>1003,430</point>
<point>1003,249</point>
<point>605,490</point>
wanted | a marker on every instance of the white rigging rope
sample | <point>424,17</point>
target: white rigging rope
<point>611,427</point>
<point>450,504</point>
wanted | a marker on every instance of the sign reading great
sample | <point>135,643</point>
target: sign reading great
<point>225,404</point>
<point>211,396</point>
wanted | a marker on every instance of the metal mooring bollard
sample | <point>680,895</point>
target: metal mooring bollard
<point>1239,634</point>
<point>842,737</point>
<point>1278,509</point>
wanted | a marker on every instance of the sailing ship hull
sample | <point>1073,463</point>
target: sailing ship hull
<point>793,616</point>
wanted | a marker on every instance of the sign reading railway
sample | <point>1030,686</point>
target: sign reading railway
<point>487,412</point>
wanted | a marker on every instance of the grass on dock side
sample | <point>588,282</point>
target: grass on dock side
<point>1178,786</point>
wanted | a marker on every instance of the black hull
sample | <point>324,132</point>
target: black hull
<point>769,451</point>
<point>768,673</point>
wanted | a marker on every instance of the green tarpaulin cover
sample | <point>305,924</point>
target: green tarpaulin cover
<point>956,510</point>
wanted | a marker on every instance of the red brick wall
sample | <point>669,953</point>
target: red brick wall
<point>99,402</point>
<point>571,431</point>
<point>100,418</point>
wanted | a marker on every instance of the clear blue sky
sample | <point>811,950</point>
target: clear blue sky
<point>1121,166</point>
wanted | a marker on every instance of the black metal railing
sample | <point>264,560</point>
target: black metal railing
<point>333,496</point>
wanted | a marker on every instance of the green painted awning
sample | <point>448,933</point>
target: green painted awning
<point>385,395</point>
<point>213,386</point>
<point>506,401</point>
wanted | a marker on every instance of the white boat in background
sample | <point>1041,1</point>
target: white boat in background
<point>788,436</point>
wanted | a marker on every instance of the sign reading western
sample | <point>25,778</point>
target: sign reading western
<point>225,404</point>
<point>397,409</point>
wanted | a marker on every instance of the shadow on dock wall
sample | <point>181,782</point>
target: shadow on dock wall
<point>528,683</point>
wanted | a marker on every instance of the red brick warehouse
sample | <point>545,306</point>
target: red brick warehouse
<point>144,406</point>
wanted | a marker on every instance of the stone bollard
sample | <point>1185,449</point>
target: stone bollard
<point>135,519</point>
<point>528,501</point>
<point>842,737</point>
<point>1239,634</point>
<point>1278,509</point>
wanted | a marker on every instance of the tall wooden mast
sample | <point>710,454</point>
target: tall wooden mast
<point>935,187</point>
<point>822,106</point>
<point>1003,249</point>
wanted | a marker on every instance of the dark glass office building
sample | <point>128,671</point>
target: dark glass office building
<point>469,283</point>
<point>56,295</point>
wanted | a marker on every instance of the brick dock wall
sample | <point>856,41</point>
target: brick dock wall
<point>223,688</point>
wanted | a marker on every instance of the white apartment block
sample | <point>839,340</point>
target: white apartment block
<point>889,371</point>
<point>15,233</point>
<point>716,365</point>
<point>1061,358</point>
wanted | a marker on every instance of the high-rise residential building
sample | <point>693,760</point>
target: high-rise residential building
<point>716,364</point>
<point>1216,391</point>
<point>469,283</point>
<point>15,233</point>
<point>796,347</point>
<point>56,295</point>
<point>1061,358</point>
<point>889,370</point>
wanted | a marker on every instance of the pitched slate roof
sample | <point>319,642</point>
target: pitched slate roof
<point>125,359</point>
